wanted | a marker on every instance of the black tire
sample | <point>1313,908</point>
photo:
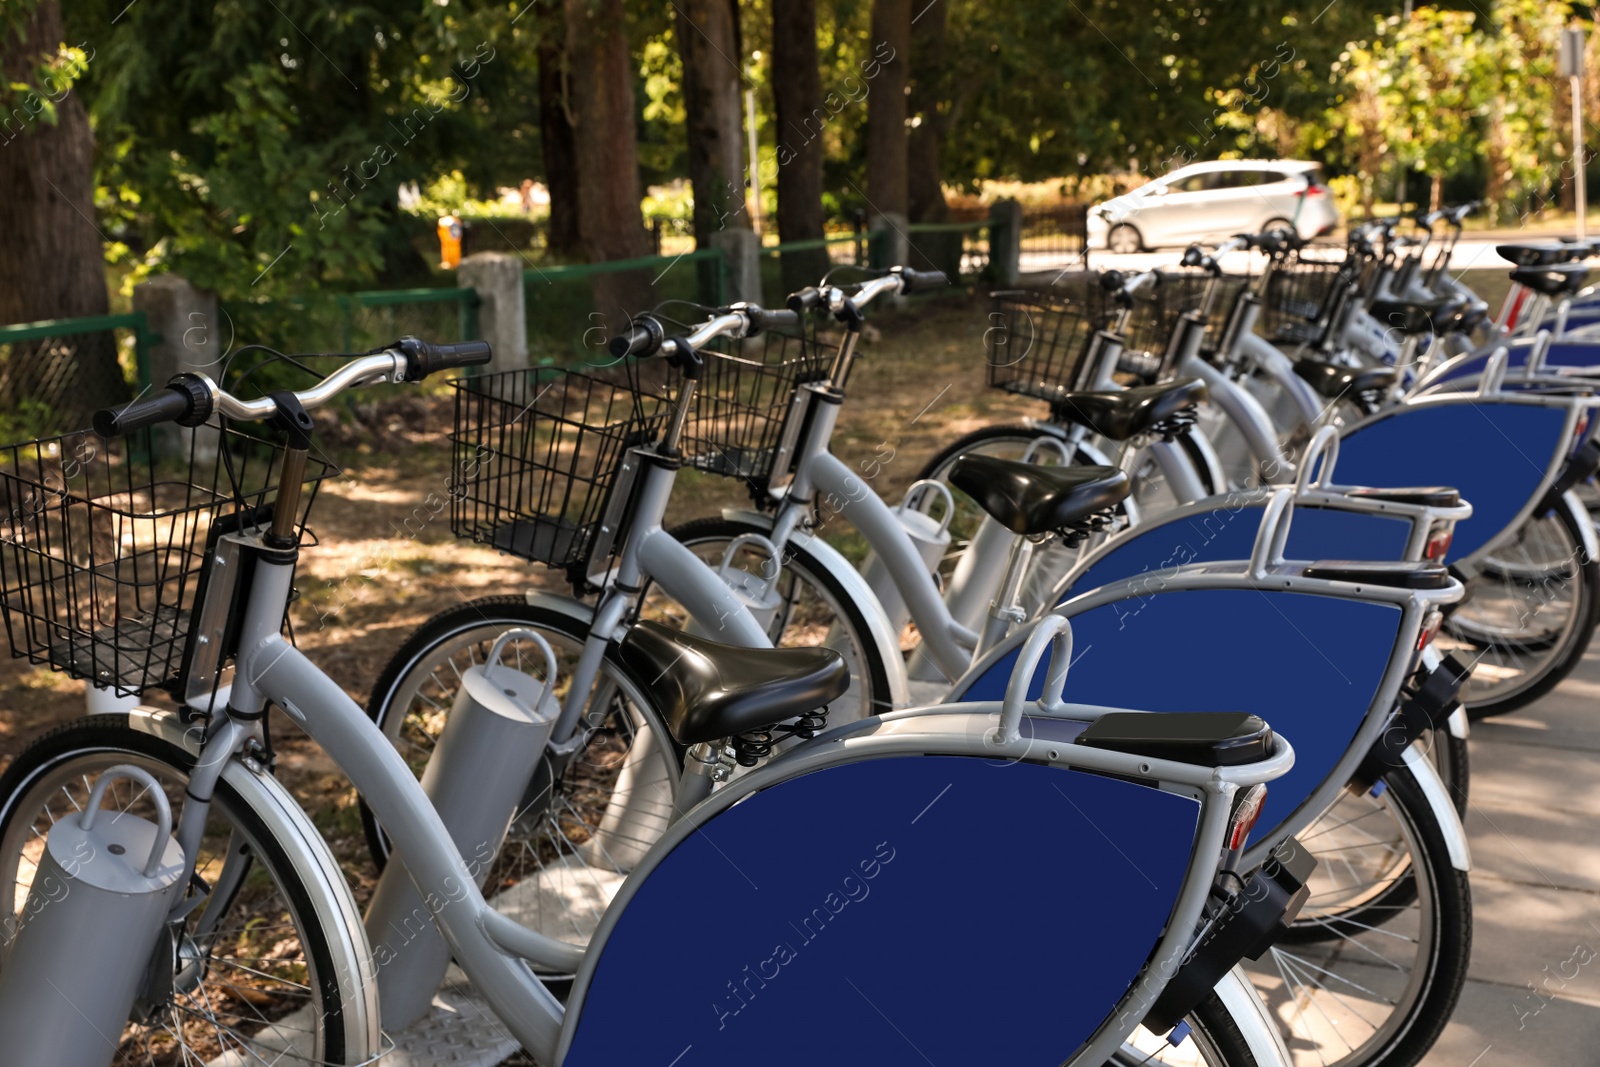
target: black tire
<point>877,696</point>
<point>1573,640</point>
<point>1450,756</point>
<point>1433,984</point>
<point>1125,229</point>
<point>110,736</point>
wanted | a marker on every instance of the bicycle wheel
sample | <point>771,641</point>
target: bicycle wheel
<point>1372,968</point>
<point>1527,616</point>
<point>272,970</point>
<point>586,816</point>
<point>814,609</point>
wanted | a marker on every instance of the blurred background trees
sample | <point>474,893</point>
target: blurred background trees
<point>278,148</point>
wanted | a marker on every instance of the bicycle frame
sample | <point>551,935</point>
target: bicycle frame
<point>495,951</point>
<point>1341,625</point>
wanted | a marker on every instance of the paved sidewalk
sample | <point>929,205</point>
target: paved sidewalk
<point>1534,825</point>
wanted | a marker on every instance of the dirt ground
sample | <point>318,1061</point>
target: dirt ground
<point>385,559</point>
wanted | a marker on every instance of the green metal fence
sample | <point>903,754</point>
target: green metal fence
<point>54,375</point>
<point>351,322</point>
<point>573,310</point>
<point>792,265</point>
<point>960,249</point>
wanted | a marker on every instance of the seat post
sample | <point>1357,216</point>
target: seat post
<point>1005,611</point>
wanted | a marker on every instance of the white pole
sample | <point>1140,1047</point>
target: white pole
<point>755,165</point>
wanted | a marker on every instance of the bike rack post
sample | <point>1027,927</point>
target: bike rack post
<point>1273,534</point>
<point>1052,634</point>
<point>1324,446</point>
<point>1494,371</point>
<point>493,743</point>
<point>89,931</point>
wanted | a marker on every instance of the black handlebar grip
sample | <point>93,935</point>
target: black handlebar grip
<point>423,359</point>
<point>807,299</point>
<point>762,319</point>
<point>1112,281</point>
<point>921,281</point>
<point>171,404</point>
<point>643,337</point>
<point>1193,256</point>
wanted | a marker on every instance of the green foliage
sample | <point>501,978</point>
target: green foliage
<point>1447,89</point>
<point>259,147</point>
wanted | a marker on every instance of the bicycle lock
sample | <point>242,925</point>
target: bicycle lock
<point>476,778</point>
<point>89,936</point>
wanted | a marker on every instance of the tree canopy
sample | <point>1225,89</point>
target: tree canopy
<point>260,148</point>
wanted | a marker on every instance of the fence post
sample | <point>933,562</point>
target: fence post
<point>185,334</point>
<point>741,254</point>
<point>502,309</point>
<point>890,245</point>
<point>1005,241</point>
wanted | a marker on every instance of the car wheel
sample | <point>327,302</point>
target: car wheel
<point>1279,223</point>
<point>1123,239</point>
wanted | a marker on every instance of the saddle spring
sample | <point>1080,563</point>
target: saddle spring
<point>1074,535</point>
<point>1176,424</point>
<point>753,746</point>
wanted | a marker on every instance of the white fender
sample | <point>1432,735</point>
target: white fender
<point>881,633</point>
<point>1444,811</point>
<point>576,610</point>
<point>314,863</point>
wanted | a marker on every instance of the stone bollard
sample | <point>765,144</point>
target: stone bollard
<point>741,250</point>
<point>190,337</point>
<point>891,245</point>
<point>502,311</point>
<point>1005,242</point>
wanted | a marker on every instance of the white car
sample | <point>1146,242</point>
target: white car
<point>1210,202</point>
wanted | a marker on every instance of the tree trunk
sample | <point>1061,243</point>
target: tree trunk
<point>600,89</point>
<point>708,41</point>
<point>555,136</point>
<point>797,96</point>
<point>888,67</point>
<point>929,116</point>
<point>1436,193</point>
<point>54,265</point>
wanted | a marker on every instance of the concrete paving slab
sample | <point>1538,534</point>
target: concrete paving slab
<point>1542,848</point>
<point>1493,1027</point>
<point>1535,777</point>
<point>1523,935</point>
<point>1535,820</point>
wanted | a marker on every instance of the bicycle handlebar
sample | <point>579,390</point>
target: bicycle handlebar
<point>899,279</point>
<point>173,403</point>
<point>423,359</point>
<point>646,336</point>
<point>191,399</point>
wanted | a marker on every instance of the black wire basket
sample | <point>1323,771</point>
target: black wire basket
<point>536,455</point>
<point>1156,310</point>
<point>1297,299</point>
<point>103,543</point>
<point>744,401</point>
<point>1036,340</point>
